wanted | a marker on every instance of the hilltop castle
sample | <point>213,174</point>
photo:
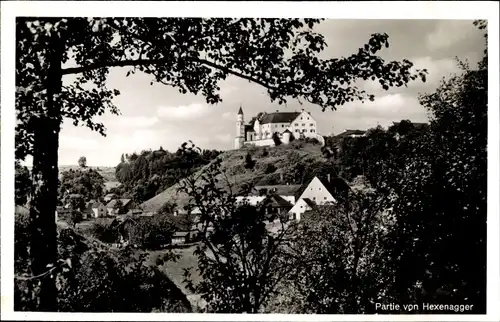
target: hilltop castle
<point>287,125</point>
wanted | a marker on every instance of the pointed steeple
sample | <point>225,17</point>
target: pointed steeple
<point>240,111</point>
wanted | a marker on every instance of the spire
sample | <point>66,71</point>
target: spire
<point>240,111</point>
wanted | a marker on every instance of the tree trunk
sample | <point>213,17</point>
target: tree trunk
<point>43,232</point>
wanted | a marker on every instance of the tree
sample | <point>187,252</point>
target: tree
<point>23,184</point>
<point>240,260</point>
<point>442,245</point>
<point>201,53</point>
<point>341,257</point>
<point>249,162</point>
<point>82,162</point>
<point>276,139</point>
<point>89,184</point>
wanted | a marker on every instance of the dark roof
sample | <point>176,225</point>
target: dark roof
<point>180,234</point>
<point>350,132</point>
<point>282,190</point>
<point>279,117</point>
<point>112,203</point>
<point>249,128</point>
<point>276,201</point>
<point>338,187</point>
<point>309,202</point>
<point>285,131</point>
<point>240,111</point>
<point>94,204</point>
<point>414,124</point>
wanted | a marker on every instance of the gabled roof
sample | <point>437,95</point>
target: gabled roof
<point>309,202</point>
<point>281,190</point>
<point>279,117</point>
<point>276,201</point>
<point>350,132</point>
<point>112,203</point>
<point>249,128</point>
<point>337,187</point>
<point>94,204</point>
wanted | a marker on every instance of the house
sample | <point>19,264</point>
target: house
<point>301,207</point>
<point>114,208</point>
<point>260,192</point>
<point>95,209</point>
<point>275,206</point>
<point>351,134</point>
<point>181,237</point>
<point>320,192</point>
<point>286,125</point>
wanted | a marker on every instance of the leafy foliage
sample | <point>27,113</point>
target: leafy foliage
<point>85,182</point>
<point>144,175</point>
<point>22,184</point>
<point>98,278</point>
<point>240,259</point>
<point>201,53</point>
<point>82,162</point>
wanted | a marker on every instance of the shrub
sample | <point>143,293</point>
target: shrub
<point>99,280</point>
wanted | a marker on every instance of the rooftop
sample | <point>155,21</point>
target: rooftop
<point>279,117</point>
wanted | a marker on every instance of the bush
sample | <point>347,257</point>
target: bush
<point>100,279</point>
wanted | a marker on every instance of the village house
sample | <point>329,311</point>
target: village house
<point>351,134</point>
<point>115,209</point>
<point>260,192</point>
<point>95,209</point>
<point>109,197</point>
<point>319,192</point>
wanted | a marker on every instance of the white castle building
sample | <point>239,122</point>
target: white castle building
<point>287,125</point>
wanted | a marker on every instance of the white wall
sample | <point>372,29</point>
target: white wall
<point>304,123</point>
<point>266,142</point>
<point>252,200</point>
<point>317,193</point>
<point>298,209</point>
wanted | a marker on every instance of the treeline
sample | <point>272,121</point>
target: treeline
<point>144,175</point>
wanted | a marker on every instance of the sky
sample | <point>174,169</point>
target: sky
<point>157,115</point>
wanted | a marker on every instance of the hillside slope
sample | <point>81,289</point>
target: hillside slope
<point>290,164</point>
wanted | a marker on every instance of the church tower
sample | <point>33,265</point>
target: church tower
<point>240,130</point>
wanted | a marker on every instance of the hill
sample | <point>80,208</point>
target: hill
<point>286,164</point>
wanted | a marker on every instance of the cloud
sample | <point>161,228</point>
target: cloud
<point>77,143</point>
<point>449,33</point>
<point>184,112</point>
<point>437,68</point>
<point>131,122</point>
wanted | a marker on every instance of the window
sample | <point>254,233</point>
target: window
<point>303,124</point>
<point>301,118</point>
<point>296,124</point>
<point>324,198</point>
<point>312,124</point>
<point>319,188</point>
<point>282,125</point>
<point>308,118</point>
<point>314,198</point>
<point>312,131</point>
<point>297,131</point>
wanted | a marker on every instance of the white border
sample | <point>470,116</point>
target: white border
<point>339,10</point>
